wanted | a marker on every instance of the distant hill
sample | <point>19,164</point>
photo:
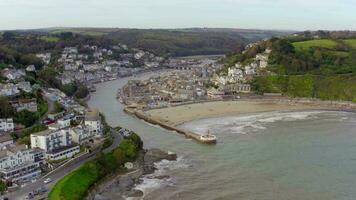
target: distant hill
<point>309,64</point>
<point>178,42</point>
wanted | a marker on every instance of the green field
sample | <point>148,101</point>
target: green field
<point>75,185</point>
<point>333,87</point>
<point>351,43</point>
<point>305,45</point>
<point>49,39</point>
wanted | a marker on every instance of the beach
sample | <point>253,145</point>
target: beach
<point>175,116</point>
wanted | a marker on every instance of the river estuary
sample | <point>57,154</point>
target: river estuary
<point>261,156</point>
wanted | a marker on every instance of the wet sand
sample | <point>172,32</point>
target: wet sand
<point>177,115</point>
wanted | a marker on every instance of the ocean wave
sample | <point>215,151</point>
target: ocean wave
<point>251,122</point>
<point>160,178</point>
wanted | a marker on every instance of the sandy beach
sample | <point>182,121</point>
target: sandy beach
<point>180,114</point>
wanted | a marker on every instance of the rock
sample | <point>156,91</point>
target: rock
<point>135,193</point>
<point>156,155</point>
<point>126,182</point>
<point>162,177</point>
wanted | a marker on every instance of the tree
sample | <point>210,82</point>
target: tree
<point>6,109</point>
<point>30,59</point>
<point>57,107</point>
<point>119,156</point>
<point>82,91</point>
<point>69,89</point>
<point>3,186</point>
<point>26,118</point>
<point>8,35</point>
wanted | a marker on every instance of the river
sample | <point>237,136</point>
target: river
<point>261,156</point>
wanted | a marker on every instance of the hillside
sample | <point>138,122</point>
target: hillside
<point>178,42</point>
<point>314,65</point>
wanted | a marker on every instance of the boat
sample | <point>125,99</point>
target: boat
<point>208,138</point>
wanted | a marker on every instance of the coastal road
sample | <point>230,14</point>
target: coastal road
<point>60,172</point>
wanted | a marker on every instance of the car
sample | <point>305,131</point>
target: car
<point>48,180</point>
<point>33,180</point>
<point>42,189</point>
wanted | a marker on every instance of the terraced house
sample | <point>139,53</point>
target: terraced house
<point>18,164</point>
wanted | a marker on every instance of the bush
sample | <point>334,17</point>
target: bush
<point>107,142</point>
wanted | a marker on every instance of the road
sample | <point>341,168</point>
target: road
<point>60,172</point>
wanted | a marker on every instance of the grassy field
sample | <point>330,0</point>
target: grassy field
<point>305,45</point>
<point>351,43</point>
<point>49,39</point>
<point>75,185</point>
<point>333,87</point>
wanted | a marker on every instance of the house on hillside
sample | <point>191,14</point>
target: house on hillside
<point>18,164</point>
<point>6,125</point>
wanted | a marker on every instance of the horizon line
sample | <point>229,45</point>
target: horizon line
<point>176,28</point>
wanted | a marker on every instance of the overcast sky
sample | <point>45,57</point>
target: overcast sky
<point>260,14</point>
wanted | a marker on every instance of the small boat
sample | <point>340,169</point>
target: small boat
<point>208,138</point>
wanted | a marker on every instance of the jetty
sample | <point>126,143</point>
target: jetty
<point>197,137</point>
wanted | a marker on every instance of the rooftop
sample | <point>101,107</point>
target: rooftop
<point>92,115</point>
<point>5,138</point>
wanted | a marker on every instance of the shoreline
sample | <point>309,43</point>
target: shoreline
<point>178,115</point>
<point>123,186</point>
<point>172,117</point>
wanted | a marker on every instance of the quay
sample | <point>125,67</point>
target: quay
<point>141,115</point>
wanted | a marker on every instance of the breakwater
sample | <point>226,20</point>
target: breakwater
<point>141,115</point>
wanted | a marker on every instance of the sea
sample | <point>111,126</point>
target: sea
<point>304,155</point>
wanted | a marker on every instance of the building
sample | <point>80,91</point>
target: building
<point>13,74</point>
<point>9,90</point>
<point>6,140</point>
<point>24,104</point>
<point>93,122</point>
<point>17,164</point>
<point>6,125</point>
<point>81,134</point>
<point>24,86</point>
<point>57,144</point>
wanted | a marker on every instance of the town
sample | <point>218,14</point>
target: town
<point>62,127</point>
<point>192,80</point>
<point>43,128</point>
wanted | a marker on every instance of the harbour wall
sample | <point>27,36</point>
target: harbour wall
<point>141,115</point>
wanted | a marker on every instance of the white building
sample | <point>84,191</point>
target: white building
<point>9,90</point>
<point>56,143</point>
<point>6,125</point>
<point>24,86</point>
<point>45,57</point>
<point>81,134</point>
<point>93,122</point>
<point>18,164</point>
<point>13,74</point>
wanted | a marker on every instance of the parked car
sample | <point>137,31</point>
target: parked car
<point>48,180</point>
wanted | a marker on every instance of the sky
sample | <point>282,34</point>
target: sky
<point>247,14</point>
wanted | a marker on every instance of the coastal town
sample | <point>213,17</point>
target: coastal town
<point>194,80</point>
<point>62,128</point>
<point>50,129</point>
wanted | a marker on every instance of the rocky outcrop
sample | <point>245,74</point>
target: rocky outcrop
<point>156,155</point>
<point>122,185</point>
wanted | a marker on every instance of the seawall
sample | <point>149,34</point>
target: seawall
<point>141,115</point>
